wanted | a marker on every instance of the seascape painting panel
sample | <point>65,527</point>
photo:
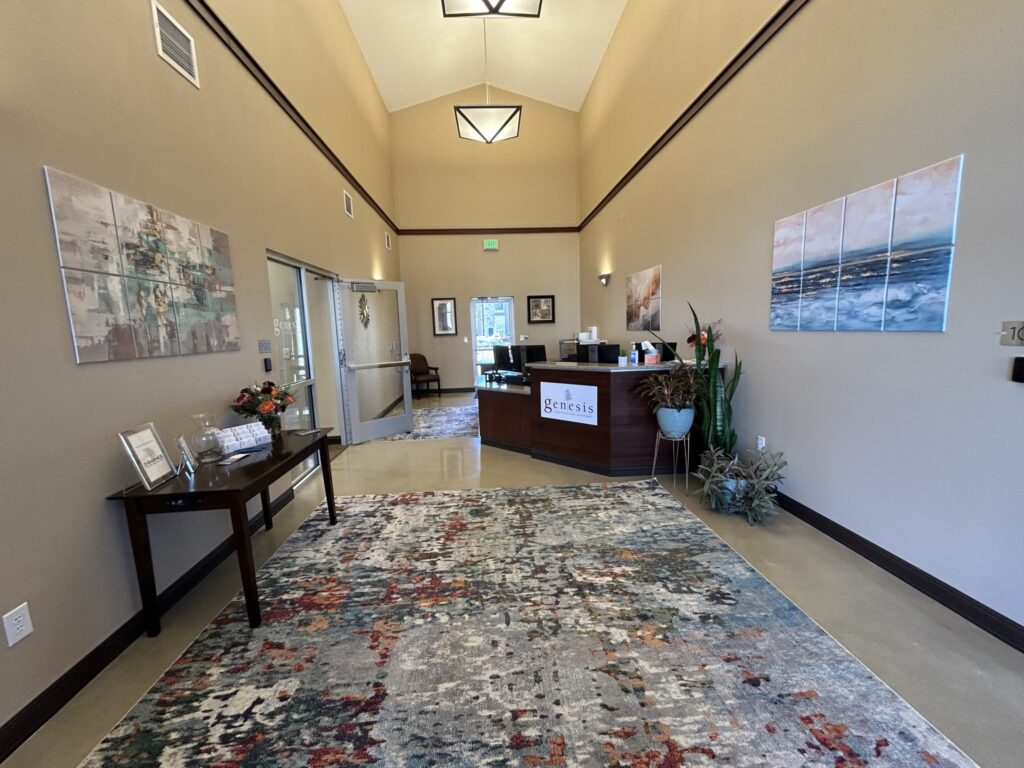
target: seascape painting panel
<point>152,314</point>
<point>921,258</point>
<point>926,207</point>
<point>207,319</point>
<point>83,220</point>
<point>918,291</point>
<point>864,264</point>
<point>819,287</point>
<point>787,263</point>
<point>156,244</point>
<point>100,322</point>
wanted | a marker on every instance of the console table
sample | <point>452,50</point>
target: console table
<point>216,487</point>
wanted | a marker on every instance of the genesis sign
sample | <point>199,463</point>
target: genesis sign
<point>568,402</point>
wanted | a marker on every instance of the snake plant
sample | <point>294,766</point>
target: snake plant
<point>715,400</point>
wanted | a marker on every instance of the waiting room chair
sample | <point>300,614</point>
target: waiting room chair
<point>423,373</point>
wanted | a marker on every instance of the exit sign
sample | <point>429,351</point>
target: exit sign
<point>491,244</point>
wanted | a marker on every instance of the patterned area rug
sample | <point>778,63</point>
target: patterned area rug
<point>442,423</point>
<point>592,625</point>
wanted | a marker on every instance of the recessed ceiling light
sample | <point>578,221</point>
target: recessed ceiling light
<point>522,8</point>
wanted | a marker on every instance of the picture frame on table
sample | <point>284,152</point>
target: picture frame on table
<point>189,462</point>
<point>443,313</point>
<point>540,309</point>
<point>148,455</point>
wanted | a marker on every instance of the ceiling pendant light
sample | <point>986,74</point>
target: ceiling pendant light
<point>488,123</point>
<point>528,8</point>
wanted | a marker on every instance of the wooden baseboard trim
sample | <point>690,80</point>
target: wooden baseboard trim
<point>34,715</point>
<point>979,614</point>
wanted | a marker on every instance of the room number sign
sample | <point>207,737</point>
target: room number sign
<point>1013,333</point>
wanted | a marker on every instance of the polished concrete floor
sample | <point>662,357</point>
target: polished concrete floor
<point>968,684</point>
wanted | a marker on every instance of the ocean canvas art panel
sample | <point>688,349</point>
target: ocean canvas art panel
<point>923,235</point>
<point>787,273</point>
<point>880,259</point>
<point>820,280</point>
<point>140,281</point>
<point>864,264</point>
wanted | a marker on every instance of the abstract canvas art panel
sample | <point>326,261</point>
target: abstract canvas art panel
<point>877,260</point>
<point>155,244</point>
<point>787,271</point>
<point>140,281</point>
<point>207,319</point>
<point>101,325</point>
<point>865,259</point>
<point>152,314</point>
<point>820,280</point>
<point>643,300</point>
<point>84,223</point>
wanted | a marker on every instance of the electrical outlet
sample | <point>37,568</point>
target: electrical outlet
<point>761,442</point>
<point>17,624</point>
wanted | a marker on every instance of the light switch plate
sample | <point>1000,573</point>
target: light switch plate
<point>264,346</point>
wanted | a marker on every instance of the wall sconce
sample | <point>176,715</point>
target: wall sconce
<point>605,278</point>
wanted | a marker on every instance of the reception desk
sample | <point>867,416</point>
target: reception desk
<point>583,415</point>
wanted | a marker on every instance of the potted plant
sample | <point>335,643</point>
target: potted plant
<point>734,486</point>
<point>716,393</point>
<point>672,395</point>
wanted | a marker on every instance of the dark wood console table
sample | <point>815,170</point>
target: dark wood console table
<point>217,487</point>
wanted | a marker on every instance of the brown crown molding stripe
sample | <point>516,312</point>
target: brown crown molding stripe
<point>484,231</point>
<point>756,43</point>
<point>210,18</point>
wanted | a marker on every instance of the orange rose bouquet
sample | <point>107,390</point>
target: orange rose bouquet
<point>266,402</point>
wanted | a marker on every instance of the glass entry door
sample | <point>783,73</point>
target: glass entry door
<point>291,356</point>
<point>492,324</point>
<point>376,388</point>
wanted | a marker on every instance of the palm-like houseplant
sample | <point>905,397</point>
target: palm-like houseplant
<point>733,486</point>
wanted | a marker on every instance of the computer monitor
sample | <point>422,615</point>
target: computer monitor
<point>502,358</point>
<point>517,358</point>
<point>608,353</point>
<point>667,350</point>
<point>536,353</point>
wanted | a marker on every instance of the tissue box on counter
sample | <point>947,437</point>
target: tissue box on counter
<point>243,437</point>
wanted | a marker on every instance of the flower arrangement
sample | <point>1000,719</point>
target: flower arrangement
<point>266,402</point>
<point>716,334</point>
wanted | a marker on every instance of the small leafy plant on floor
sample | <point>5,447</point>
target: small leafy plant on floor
<point>734,486</point>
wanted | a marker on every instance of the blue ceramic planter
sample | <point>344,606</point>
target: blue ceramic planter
<point>674,422</point>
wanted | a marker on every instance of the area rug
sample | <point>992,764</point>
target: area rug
<point>590,625</point>
<point>442,423</point>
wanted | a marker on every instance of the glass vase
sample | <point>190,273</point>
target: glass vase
<point>204,439</point>
<point>272,423</point>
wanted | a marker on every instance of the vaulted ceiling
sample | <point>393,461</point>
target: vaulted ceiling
<point>416,54</point>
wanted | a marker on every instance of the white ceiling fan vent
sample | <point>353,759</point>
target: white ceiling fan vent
<point>174,45</point>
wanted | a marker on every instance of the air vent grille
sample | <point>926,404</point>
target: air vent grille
<point>175,45</point>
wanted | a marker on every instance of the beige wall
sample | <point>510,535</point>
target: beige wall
<point>442,181</point>
<point>663,53</point>
<point>909,440</point>
<point>309,51</point>
<point>225,155</point>
<point>438,266</point>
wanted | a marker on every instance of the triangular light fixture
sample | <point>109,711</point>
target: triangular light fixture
<point>488,122</point>
<point>527,8</point>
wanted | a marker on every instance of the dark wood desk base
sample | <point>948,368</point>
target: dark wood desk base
<point>241,483</point>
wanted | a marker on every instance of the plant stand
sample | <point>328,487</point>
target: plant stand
<point>685,440</point>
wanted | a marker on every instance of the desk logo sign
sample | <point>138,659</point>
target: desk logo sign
<point>568,402</point>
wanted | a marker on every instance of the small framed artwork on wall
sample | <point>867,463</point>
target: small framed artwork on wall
<point>540,309</point>
<point>443,313</point>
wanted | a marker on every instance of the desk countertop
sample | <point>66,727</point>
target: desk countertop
<point>497,386</point>
<point>602,367</point>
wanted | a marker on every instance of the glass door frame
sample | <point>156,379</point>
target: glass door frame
<point>313,379</point>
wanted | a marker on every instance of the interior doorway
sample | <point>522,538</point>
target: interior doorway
<point>375,384</point>
<point>492,323</point>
